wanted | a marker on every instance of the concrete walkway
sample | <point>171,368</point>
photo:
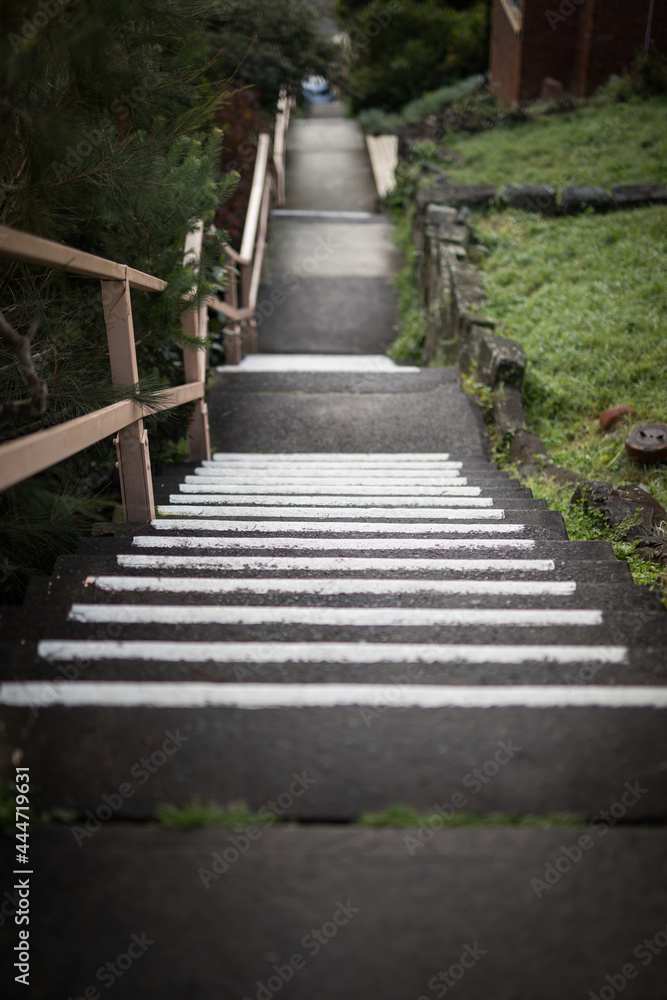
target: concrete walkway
<point>347,609</point>
<point>329,275</point>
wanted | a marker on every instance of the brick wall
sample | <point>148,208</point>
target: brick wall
<point>505,57</point>
<point>582,58</point>
<point>579,42</point>
<point>549,49</point>
<point>617,32</point>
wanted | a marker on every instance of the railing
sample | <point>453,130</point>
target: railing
<point>33,453</point>
<point>26,456</point>
<point>514,14</point>
<point>244,269</point>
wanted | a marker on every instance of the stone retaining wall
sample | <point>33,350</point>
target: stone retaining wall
<point>540,198</point>
<point>458,331</point>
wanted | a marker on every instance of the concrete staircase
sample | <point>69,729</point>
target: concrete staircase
<point>320,636</point>
<point>349,609</point>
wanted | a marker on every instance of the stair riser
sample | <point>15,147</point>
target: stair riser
<point>417,915</point>
<point>571,760</point>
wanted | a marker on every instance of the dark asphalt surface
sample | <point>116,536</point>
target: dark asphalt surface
<point>389,923</point>
<point>506,913</point>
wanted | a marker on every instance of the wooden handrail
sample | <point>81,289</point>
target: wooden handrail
<point>33,453</point>
<point>36,250</point>
<point>514,15</point>
<point>255,202</point>
<point>241,302</point>
<point>261,245</point>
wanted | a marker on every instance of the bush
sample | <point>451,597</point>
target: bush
<point>373,121</point>
<point>106,144</point>
<point>403,48</point>
<point>269,46</point>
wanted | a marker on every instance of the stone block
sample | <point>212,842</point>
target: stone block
<point>467,351</point>
<point>526,447</point>
<point>500,360</point>
<point>469,319</point>
<point>442,191</point>
<point>436,215</point>
<point>633,195</point>
<point>539,198</point>
<point>629,505</point>
<point>438,315</point>
<point>551,90</point>
<point>508,412</point>
<point>578,199</point>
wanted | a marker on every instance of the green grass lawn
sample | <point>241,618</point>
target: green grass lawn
<point>600,144</point>
<point>585,296</point>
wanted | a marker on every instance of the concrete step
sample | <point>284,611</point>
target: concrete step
<point>588,565</point>
<point>324,535</point>
<point>327,555</point>
<point>495,494</point>
<point>540,748</point>
<point>292,909</point>
<point>115,589</point>
<point>348,624</point>
<point>105,654</point>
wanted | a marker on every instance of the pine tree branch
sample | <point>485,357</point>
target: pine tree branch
<point>35,405</point>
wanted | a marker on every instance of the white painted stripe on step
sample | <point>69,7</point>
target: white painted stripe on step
<point>334,564</point>
<point>171,614</point>
<point>303,213</point>
<point>327,364</point>
<point>456,496</point>
<point>326,514</point>
<point>256,653</point>
<point>174,509</point>
<point>335,544</point>
<point>306,482</point>
<point>324,464</point>
<point>330,586</point>
<point>327,526</point>
<point>201,694</point>
<point>332,468</point>
<point>331,456</point>
<point>305,493</point>
<point>448,496</point>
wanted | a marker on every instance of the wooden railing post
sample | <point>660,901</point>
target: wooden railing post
<point>134,464</point>
<point>195,324</point>
<point>282,119</point>
<point>232,339</point>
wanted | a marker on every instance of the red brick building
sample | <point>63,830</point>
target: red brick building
<point>580,43</point>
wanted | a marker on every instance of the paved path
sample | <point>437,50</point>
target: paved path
<point>328,286</point>
<point>347,609</point>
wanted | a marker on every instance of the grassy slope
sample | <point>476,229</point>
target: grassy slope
<point>602,144</point>
<point>586,298</point>
<point>585,295</point>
